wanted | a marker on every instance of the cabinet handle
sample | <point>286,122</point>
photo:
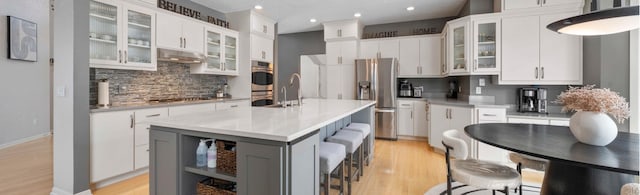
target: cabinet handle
<point>180,42</point>
<point>264,28</point>
<point>132,120</point>
<point>234,106</point>
<point>147,150</point>
<point>185,42</point>
<point>263,54</point>
<point>120,56</point>
<point>544,1</point>
<point>411,114</point>
<point>489,115</point>
<point>153,115</point>
<point>536,72</point>
<point>542,72</point>
<point>125,56</point>
<point>475,64</point>
<point>538,2</point>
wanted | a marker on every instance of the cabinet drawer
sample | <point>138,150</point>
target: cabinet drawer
<point>141,159</point>
<point>232,105</point>
<point>529,121</point>
<point>559,122</point>
<point>405,104</point>
<point>492,114</point>
<point>141,115</point>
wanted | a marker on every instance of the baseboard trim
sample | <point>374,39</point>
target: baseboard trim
<point>24,140</point>
<point>58,191</point>
<point>119,178</point>
<point>402,137</point>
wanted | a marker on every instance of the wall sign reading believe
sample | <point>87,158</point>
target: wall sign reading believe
<point>174,7</point>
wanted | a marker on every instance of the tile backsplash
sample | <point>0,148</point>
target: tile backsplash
<point>169,81</point>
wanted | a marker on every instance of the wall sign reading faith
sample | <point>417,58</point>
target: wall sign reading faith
<point>174,7</point>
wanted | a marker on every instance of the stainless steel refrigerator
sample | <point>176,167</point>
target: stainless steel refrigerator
<point>376,80</point>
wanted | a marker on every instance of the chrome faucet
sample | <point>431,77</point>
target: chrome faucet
<point>293,76</point>
<point>284,101</point>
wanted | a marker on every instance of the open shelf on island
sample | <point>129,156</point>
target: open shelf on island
<point>210,172</point>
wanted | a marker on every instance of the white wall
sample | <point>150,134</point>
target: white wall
<point>24,86</point>
<point>635,82</point>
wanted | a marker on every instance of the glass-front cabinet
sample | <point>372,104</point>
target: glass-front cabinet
<point>486,46</point>
<point>122,36</point>
<point>458,47</point>
<point>443,53</point>
<point>221,53</point>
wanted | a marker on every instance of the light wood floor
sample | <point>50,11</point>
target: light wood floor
<point>400,167</point>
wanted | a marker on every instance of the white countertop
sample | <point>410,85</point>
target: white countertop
<point>277,124</point>
<point>455,102</point>
<point>144,105</point>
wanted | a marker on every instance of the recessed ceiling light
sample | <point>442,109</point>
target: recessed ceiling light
<point>258,7</point>
<point>410,8</point>
<point>357,15</point>
<point>312,20</point>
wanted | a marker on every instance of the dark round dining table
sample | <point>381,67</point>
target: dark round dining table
<point>574,167</point>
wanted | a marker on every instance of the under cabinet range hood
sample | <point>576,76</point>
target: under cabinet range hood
<point>184,57</point>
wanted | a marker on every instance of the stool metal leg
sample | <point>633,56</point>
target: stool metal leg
<point>349,176</point>
<point>341,175</point>
<point>361,163</point>
<point>368,149</point>
<point>327,183</point>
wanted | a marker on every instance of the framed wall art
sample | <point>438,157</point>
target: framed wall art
<point>22,39</point>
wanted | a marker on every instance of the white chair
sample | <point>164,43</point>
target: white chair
<point>365,129</point>
<point>480,174</point>
<point>529,162</point>
<point>352,142</point>
<point>630,189</point>
<point>332,157</point>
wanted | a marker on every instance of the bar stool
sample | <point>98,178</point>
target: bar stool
<point>352,142</point>
<point>332,157</point>
<point>526,161</point>
<point>365,129</point>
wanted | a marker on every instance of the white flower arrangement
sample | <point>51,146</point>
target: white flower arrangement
<point>591,99</point>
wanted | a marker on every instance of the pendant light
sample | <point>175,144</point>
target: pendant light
<point>603,22</point>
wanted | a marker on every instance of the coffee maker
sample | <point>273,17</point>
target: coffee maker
<point>532,100</point>
<point>405,89</point>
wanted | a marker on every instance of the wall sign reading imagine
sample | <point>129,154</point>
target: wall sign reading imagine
<point>174,7</point>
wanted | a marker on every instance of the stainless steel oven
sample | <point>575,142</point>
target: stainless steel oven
<point>262,79</point>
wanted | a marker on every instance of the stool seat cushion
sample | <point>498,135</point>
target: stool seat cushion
<point>349,139</point>
<point>527,161</point>
<point>484,174</point>
<point>331,154</point>
<point>363,128</point>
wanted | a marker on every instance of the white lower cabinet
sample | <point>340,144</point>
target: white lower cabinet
<point>111,144</point>
<point>405,118</point>
<point>141,159</point>
<point>529,121</point>
<point>559,122</point>
<point>443,118</point>
<point>412,118</point>
<point>487,152</point>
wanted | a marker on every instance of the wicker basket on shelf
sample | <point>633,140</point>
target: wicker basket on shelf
<point>211,186</point>
<point>226,161</point>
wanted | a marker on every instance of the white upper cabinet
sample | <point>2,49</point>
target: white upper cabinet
<point>409,60</point>
<point>262,26</point>
<point>458,47</point>
<point>342,52</point>
<point>342,30</point>
<point>510,5</point>
<point>486,46</point>
<point>531,54</point>
<point>368,49</point>
<point>261,48</point>
<point>560,54</point>
<point>419,57</point>
<point>376,48</point>
<point>444,53</point>
<point>122,36</point>
<point>179,33</point>
<point>221,53</point>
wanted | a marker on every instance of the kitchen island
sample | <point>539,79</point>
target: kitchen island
<point>276,148</point>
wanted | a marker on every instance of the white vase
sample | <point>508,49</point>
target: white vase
<point>593,128</point>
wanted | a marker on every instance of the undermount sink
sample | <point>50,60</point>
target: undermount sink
<point>278,106</point>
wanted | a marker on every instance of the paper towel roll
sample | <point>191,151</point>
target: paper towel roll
<point>103,93</point>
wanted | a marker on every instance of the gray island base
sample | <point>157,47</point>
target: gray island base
<point>276,148</point>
